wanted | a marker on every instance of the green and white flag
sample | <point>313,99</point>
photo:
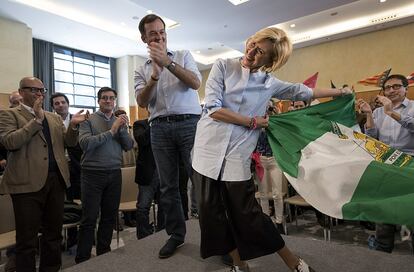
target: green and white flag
<point>341,172</point>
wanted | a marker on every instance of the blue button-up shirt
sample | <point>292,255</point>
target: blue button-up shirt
<point>397,134</point>
<point>223,150</point>
<point>171,96</point>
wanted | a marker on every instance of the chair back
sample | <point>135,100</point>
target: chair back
<point>297,200</point>
<point>7,214</point>
<point>285,183</point>
<point>129,187</point>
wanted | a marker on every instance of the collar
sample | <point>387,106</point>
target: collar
<point>67,120</point>
<point>405,102</point>
<point>169,53</point>
<point>29,109</point>
<point>258,70</point>
<point>104,116</point>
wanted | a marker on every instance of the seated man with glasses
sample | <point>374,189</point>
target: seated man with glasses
<point>36,175</point>
<point>393,124</point>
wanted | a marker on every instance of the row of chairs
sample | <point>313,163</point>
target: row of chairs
<point>7,224</point>
<point>295,201</point>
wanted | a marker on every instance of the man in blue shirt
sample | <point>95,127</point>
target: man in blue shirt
<point>167,85</point>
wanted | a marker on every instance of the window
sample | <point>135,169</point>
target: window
<point>79,76</point>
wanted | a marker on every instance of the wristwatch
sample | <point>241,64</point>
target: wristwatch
<point>37,120</point>
<point>171,66</point>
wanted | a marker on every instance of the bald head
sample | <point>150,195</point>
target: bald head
<point>31,89</point>
<point>27,81</point>
<point>15,99</point>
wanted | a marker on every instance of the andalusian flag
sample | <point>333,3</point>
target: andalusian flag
<point>342,173</point>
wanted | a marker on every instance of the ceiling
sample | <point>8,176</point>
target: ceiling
<point>210,29</point>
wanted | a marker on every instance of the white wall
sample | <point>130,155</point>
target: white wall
<point>354,58</point>
<point>16,54</point>
<point>125,67</point>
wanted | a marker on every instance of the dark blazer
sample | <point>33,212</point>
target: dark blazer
<point>27,164</point>
<point>3,156</point>
<point>145,166</point>
<point>75,154</point>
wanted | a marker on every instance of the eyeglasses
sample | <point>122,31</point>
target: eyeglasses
<point>394,87</point>
<point>35,90</point>
<point>110,98</point>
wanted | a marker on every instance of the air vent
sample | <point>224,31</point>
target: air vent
<point>301,39</point>
<point>384,19</point>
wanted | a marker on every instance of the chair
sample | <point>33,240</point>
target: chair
<point>297,200</point>
<point>128,195</point>
<point>269,195</point>
<point>7,226</point>
<point>65,228</point>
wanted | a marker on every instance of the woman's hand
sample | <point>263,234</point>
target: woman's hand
<point>363,106</point>
<point>262,122</point>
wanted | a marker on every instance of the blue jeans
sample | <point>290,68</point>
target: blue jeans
<point>146,194</point>
<point>101,191</point>
<point>172,140</point>
<point>183,185</point>
<point>384,238</point>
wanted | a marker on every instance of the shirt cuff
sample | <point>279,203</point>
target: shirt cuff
<point>371,132</point>
<point>75,128</point>
<point>211,108</point>
<point>406,121</point>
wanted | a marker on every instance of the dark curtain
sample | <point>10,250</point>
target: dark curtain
<point>43,67</point>
<point>112,63</point>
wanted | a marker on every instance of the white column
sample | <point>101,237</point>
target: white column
<point>125,67</point>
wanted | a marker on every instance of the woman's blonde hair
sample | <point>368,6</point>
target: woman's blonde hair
<point>282,47</point>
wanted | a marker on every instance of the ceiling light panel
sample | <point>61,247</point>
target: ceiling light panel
<point>347,25</point>
<point>87,18</point>
<point>238,2</point>
<point>211,55</point>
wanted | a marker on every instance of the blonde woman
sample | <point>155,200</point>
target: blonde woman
<point>237,93</point>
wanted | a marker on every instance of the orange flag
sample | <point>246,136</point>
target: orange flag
<point>311,82</point>
<point>375,80</point>
<point>410,78</point>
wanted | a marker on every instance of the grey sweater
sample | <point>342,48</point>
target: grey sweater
<point>101,150</point>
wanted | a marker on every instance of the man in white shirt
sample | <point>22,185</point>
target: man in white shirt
<point>167,83</point>
<point>60,104</point>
